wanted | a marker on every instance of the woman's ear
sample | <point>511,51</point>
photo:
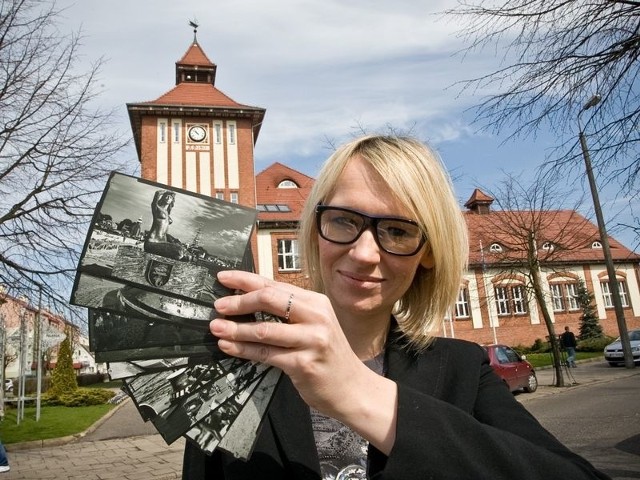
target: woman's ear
<point>427,260</point>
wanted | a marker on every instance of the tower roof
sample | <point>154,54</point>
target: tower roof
<point>194,95</point>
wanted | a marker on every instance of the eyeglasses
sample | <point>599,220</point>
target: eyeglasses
<point>397,236</point>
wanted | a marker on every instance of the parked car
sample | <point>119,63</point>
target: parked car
<point>613,352</point>
<point>8,385</point>
<point>513,368</point>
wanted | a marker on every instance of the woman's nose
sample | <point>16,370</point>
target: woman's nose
<point>366,248</point>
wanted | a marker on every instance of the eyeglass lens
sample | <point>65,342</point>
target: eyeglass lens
<point>396,236</point>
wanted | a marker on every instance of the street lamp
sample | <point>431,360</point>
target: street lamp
<point>604,239</point>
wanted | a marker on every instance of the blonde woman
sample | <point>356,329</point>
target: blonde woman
<point>368,392</point>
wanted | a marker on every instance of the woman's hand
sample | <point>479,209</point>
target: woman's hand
<point>311,349</point>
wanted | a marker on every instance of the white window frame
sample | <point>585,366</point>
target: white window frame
<point>495,247</point>
<point>572,296</point>
<point>502,300</point>
<point>220,195</point>
<point>607,297</point>
<point>519,297</point>
<point>232,134</point>
<point>288,255</point>
<point>233,197</point>
<point>218,134</point>
<point>176,132</point>
<point>462,303</point>
<point>163,132</point>
<point>557,297</point>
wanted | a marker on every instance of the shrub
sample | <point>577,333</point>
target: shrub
<point>594,344</point>
<point>80,397</point>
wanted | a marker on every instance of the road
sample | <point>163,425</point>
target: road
<point>600,421</point>
<point>598,416</point>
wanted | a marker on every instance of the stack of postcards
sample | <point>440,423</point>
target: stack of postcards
<point>148,277</point>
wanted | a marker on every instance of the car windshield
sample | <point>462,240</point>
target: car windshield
<point>634,335</point>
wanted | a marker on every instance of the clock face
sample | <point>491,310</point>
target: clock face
<point>197,133</point>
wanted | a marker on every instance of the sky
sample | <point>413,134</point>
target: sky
<point>324,70</point>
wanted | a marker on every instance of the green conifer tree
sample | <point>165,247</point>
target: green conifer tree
<point>63,378</point>
<point>589,324</point>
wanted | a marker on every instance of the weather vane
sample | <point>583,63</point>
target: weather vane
<point>195,25</point>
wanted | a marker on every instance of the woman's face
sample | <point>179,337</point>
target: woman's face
<point>361,278</point>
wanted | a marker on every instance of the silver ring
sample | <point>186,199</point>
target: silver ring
<point>287,311</point>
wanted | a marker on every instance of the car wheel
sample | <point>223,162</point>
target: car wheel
<point>532,385</point>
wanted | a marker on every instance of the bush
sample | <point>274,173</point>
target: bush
<point>594,344</point>
<point>80,397</point>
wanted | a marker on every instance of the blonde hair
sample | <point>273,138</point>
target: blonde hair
<point>418,180</point>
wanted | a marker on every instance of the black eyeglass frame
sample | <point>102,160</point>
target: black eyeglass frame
<point>369,222</point>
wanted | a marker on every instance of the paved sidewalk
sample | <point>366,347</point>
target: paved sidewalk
<point>122,446</point>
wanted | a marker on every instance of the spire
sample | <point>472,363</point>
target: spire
<point>193,23</point>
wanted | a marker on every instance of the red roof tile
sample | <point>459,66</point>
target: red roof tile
<point>196,94</point>
<point>195,56</point>
<point>571,234</point>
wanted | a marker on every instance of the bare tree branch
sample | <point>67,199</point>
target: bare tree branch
<point>56,150</point>
<point>557,54</point>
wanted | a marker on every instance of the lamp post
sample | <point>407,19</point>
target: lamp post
<point>604,239</point>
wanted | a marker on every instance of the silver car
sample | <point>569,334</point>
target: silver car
<point>613,352</point>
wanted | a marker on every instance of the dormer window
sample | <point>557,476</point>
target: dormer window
<point>287,184</point>
<point>596,244</point>
<point>549,246</point>
<point>495,247</point>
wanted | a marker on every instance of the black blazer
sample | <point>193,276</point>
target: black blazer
<point>456,420</point>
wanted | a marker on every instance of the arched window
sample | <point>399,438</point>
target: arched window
<point>495,247</point>
<point>287,184</point>
<point>548,246</point>
<point>596,244</point>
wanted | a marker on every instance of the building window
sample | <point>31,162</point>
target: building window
<point>234,197</point>
<point>288,258</point>
<point>502,300</point>
<point>607,297</point>
<point>572,296</point>
<point>163,132</point>
<point>232,134</point>
<point>548,246</point>
<point>510,300</point>
<point>557,297</point>
<point>519,299</point>
<point>176,132</point>
<point>220,195</point>
<point>287,184</point>
<point>218,129</point>
<point>596,244</point>
<point>273,207</point>
<point>462,303</point>
<point>495,247</point>
<point>564,296</point>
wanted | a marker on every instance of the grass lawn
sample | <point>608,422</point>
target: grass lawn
<point>544,359</point>
<point>54,422</point>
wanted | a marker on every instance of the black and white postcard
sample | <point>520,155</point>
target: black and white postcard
<point>165,240</point>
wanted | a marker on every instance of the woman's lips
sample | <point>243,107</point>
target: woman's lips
<point>361,280</point>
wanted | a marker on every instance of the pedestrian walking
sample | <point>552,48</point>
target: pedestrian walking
<point>568,342</point>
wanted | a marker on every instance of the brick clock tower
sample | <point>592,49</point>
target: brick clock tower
<point>197,138</point>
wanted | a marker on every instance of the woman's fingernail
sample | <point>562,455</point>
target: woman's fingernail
<point>220,303</point>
